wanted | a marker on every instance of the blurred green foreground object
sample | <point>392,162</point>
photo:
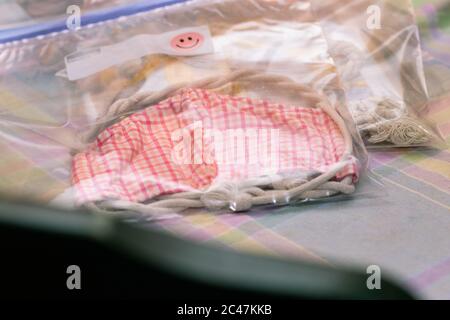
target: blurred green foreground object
<point>124,260</point>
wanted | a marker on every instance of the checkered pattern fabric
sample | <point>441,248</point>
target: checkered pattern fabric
<point>222,138</point>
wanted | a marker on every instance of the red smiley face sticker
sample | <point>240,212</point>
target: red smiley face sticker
<point>187,41</point>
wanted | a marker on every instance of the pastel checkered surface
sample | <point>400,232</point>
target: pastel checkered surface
<point>133,159</point>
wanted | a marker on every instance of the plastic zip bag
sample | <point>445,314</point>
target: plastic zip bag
<point>113,136</point>
<point>376,47</point>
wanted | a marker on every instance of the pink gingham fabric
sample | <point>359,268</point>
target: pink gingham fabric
<point>134,159</point>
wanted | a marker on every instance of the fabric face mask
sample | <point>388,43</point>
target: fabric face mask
<point>199,148</point>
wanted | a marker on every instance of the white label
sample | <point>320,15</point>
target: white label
<point>181,42</point>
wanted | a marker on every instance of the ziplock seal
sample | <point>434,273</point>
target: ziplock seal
<point>42,29</point>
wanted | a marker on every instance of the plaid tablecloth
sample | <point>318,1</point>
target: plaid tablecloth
<point>404,228</point>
